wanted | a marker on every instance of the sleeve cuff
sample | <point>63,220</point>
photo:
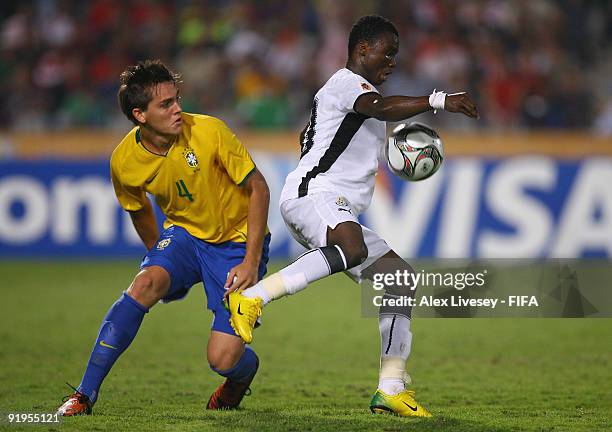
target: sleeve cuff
<point>246,177</point>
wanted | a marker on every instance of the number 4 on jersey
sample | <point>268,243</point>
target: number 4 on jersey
<point>183,191</point>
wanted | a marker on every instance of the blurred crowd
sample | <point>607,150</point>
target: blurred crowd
<point>528,63</point>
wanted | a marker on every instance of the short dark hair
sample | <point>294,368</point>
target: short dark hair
<point>136,85</point>
<point>369,28</point>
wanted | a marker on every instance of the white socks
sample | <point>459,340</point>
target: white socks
<point>312,265</point>
<point>395,334</point>
<point>278,285</point>
<point>395,344</point>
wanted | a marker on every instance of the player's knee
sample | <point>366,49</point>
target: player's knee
<point>224,358</point>
<point>355,254</point>
<point>147,288</point>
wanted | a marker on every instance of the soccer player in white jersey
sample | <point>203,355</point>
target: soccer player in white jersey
<point>333,184</point>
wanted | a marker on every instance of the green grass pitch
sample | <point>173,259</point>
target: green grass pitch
<point>319,362</point>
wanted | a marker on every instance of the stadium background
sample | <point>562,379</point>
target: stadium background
<point>530,179</point>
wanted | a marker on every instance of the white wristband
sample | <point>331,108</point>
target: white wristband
<point>436,100</point>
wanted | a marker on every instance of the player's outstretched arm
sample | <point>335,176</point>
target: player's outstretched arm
<point>396,108</point>
<point>245,274</point>
<point>145,223</point>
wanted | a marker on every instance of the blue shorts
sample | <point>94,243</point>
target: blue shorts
<point>190,260</point>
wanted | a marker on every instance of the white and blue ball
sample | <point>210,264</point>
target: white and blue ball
<point>414,151</point>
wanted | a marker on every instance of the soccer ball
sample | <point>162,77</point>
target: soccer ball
<point>414,151</point>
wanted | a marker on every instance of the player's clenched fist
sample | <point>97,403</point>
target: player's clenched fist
<point>461,103</point>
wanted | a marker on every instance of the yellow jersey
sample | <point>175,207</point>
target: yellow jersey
<point>196,184</point>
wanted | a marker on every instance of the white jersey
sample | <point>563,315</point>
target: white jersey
<point>340,147</point>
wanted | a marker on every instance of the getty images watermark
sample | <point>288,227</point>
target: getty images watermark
<point>404,281</point>
<point>489,288</point>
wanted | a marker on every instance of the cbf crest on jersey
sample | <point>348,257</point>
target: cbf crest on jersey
<point>163,243</point>
<point>191,159</point>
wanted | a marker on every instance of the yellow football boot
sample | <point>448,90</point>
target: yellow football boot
<point>401,404</point>
<point>244,312</point>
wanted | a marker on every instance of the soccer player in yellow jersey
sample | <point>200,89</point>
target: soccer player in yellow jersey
<point>216,207</point>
